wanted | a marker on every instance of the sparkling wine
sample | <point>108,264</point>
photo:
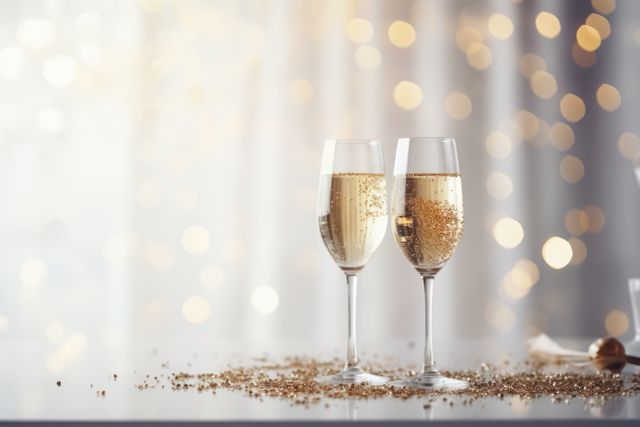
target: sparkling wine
<point>428,218</point>
<point>352,216</point>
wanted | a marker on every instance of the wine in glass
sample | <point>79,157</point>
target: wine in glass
<point>352,215</point>
<point>427,223</point>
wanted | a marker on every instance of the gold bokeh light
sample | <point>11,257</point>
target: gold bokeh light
<point>530,63</point>
<point>604,6</point>
<point>629,145</point>
<point>458,105</point>
<point>572,107</point>
<point>508,232</point>
<point>499,185</point>
<point>588,38</point>
<point>557,252</point>
<point>367,57</point>
<point>479,56</point>
<point>608,97</point>
<point>526,124</point>
<point>498,145</point>
<point>561,136</point>
<point>571,169</point>
<point>543,84</point>
<point>401,34</point>
<point>576,221</point>
<point>407,95</point>
<point>500,26</point>
<point>600,23</point>
<point>548,25</point>
<point>582,58</point>
<point>616,323</point>
<point>579,251</point>
<point>359,30</point>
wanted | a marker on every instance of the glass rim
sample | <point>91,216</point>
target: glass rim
<point>354,140</point>
<point>427,138</point>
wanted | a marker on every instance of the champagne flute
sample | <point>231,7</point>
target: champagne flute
<point>352,215</point>
<point>427,222</point>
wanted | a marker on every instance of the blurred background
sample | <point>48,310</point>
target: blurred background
<point>159,163</point>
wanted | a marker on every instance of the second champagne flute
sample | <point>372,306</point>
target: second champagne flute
<point>352,215</point>
<point>427,226</point>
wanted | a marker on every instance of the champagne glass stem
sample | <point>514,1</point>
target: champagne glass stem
<point>429,363</point>
<point>352,290</point>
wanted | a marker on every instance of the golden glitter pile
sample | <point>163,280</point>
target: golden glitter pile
<point>294,380</point>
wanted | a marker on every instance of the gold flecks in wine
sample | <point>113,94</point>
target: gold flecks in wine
<point>429,224</point>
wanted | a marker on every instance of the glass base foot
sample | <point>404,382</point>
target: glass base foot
<point>432,381</point>
<point>352,376</point>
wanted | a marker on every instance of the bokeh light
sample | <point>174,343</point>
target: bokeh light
<point>195,240</point>
<point>401,34</point>
<point>500,316</point>
<point>500,26</point>
<point>196,309</point>
<point>595,218</point>
<point>588,38</point>
<point>629,145</point>
<point>367,57</point>
<point>543,84</point>
<point>571,169</point>
<point>616,323</point>
<point>530,63</point>
<point>498,145</point>
<point>604,6</point>
<point>600,23</point>
<point>561,136</point>
<point>466,36</point>
<point>526,124</point>
<point>479,56</point>
<point>4,323</point>
<point>576,221</point>
<point>60,71</point>
<point>499,185</point>
<point>407,95</point>
<point>608,97</point>
<point>359,30</point>
<point>548,25</point>
<point>33,273</point>
<point>572,107</point>
<point>457,105</point>
<point>582,58</point>
<point>508,232</point>
<point>557,252</point>
<point>579,251</point>
<point>264,299</point>
<point>36,34</point>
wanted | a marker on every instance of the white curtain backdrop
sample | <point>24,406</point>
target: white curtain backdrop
<point>159,163</point>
